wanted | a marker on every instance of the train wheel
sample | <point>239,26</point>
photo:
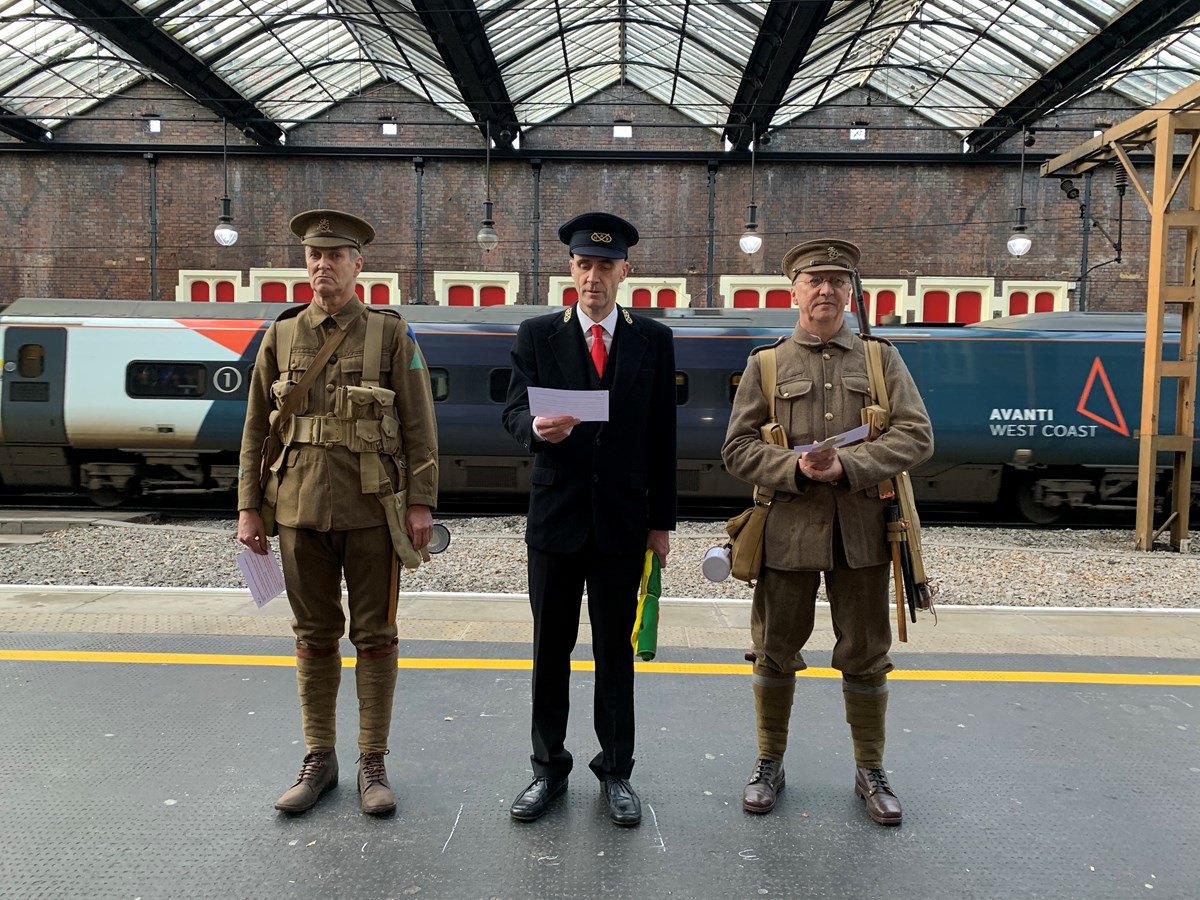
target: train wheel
<point>109,496</point>
<point>1032,508</point>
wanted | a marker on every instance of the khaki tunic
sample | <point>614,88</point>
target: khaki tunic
<point>320,488</point>
<point>821,391</point>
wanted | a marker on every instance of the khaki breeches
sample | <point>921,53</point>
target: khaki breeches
<point>313,565</point>
<point>784,607</point>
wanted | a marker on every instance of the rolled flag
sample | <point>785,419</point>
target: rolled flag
<point>645,626</point>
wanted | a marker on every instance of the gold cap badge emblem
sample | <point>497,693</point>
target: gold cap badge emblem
<point>323,225</point>
<point>833,252</point>
<point>602,237</point>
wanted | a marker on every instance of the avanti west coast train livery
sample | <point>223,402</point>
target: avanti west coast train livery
<point>122,398</point>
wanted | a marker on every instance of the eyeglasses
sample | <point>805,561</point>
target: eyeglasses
<point>818,281</point>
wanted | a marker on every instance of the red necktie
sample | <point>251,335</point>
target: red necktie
<point>599,354</point>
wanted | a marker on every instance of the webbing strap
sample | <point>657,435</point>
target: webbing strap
<point>767,365</point>
<point>875,374</point>
<point>887,488</point>
<point>283,344</point>
<point>768,369</point>
<point>373,350</point>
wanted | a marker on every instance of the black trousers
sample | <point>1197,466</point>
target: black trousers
<point>556,582</point>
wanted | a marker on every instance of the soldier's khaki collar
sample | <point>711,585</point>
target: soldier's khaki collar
<point>343,318</point>
<point>844,339</point>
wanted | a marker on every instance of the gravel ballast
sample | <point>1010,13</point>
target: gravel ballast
<point>969,566</point>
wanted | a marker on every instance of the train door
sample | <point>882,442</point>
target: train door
<point>31,405</point>
<point>33,434</point>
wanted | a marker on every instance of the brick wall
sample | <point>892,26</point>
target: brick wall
<point>84,222</point>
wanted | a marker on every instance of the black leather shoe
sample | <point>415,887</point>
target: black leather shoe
<point>765,785</point>
<point>533,802</point>
<point>624,805</point>
<point>882,805</point>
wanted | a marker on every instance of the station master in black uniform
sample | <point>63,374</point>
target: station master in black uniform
<point>601,494</point>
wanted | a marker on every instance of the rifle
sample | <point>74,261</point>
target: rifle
<point>903,524</point>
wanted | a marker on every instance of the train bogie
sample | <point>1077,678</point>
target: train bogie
<point>121,399</point>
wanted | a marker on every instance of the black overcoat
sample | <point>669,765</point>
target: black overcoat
<point>616,477</point>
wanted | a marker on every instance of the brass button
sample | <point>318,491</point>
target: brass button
<point>825,356</point>
<point>828,386</point>
<point>785,393</point>
<point>828,416</point>
<point>330,388</point>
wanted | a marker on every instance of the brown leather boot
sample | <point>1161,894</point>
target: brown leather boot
<point>765,784</point>
<point>375,794</point>
<point>318,774</point>
<point>882,805</point>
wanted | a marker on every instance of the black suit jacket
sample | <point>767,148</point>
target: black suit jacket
<point>617,477</point>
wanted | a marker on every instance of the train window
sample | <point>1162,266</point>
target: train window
<point>681,388</point>
<point>31,360</point>
<point>439,382</point>
<point>734,380</point>
<point>166,379</point>
<point>498,384</point>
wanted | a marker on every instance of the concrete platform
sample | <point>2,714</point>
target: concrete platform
<point>147,734</point>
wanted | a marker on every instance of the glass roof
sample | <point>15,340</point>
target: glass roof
<point>955,62</point>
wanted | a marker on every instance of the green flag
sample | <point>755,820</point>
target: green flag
<point>645,627</point>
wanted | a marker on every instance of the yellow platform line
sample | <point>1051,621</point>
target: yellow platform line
<point>650,668</point>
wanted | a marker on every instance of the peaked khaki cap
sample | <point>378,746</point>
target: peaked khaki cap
<point>330,228</point>
<point>823,255</point>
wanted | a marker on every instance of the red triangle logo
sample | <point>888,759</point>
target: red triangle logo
<point>1119,425</point>
<point>232,334</point>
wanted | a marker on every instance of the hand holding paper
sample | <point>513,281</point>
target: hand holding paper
<point>587,406</point>
<point>263,575</point>
<point>838,440</point>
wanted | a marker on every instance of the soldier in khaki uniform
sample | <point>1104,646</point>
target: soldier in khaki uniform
<point>362,433</point>
<point>827,517</point>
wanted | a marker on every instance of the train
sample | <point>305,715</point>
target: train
<point>127,399</point>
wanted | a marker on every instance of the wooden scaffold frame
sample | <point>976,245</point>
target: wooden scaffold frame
<point>1175,119</point>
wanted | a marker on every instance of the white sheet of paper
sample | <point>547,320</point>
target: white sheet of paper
<point>263,575</point>
<point>586,406</point>
<point>838,440</point>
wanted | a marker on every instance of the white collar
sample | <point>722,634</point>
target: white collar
<point>608,323</point>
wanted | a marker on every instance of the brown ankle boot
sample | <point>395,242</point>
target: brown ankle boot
<point>765,785</point>
<point>375,794</point>
<point>318,774</point>
<point>882,804</point>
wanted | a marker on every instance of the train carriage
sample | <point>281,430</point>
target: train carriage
<point>123,398</point>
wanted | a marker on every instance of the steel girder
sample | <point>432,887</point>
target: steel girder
<point>1123,39</point>
<point>123,26</point>
<point>460,37</point>
<point>787,31</point>
<point>21,127</point>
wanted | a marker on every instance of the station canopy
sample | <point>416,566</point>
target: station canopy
<point>982,68</point>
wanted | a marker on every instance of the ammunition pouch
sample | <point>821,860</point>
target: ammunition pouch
<point>877,417</point>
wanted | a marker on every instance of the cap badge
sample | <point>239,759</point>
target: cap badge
<point>323,225</point>
<point>602,237</point>
<point>834,252</point>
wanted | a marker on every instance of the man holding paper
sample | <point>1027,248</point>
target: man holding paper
<point>827,517</point>
<point>348,391</point>
<point>602,493</point>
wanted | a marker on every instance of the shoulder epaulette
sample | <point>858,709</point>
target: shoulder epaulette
<point>391,311</point>
<point>774,343</point>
